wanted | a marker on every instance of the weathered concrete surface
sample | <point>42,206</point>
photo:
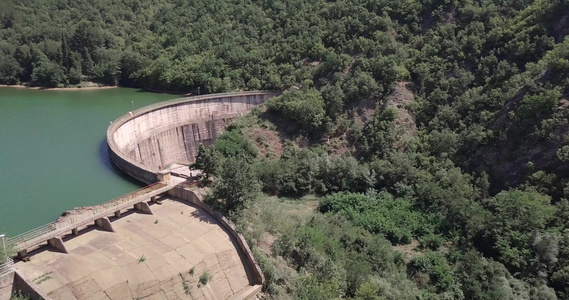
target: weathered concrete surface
<point>80,217</point>
<point>6,283</point>
<point>148,256</point>
<point>105,224</point>
<point>154,137</point>
<point>25,286</point>
<point>57,243</point>
<point>187,194</point>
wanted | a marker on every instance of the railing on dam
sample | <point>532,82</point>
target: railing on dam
<point>84,215</point>
<point>149,138</point>
<point>7,267</point>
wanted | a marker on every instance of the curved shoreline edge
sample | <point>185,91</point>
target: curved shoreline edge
<point>19,86</point>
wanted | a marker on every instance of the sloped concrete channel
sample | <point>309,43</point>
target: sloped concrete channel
<point>159,244</point>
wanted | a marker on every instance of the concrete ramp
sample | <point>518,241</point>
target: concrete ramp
<point>160,256</point>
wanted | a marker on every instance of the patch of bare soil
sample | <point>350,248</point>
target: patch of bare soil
<point>351,65</point>
<point>410,250</point>
<point>338,145</point>
<point>564,102</point>
<point>313,63</point>
<point>266,140</point>
<point>305,209</point>
<point>266,243</point>
<point>400,99</point>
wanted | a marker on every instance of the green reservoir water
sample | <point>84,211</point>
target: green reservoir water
<point>53,152</point>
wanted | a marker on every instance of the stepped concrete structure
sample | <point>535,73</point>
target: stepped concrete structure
<point>153,243</point>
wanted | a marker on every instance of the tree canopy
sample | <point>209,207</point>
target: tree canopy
<point>432,135</point>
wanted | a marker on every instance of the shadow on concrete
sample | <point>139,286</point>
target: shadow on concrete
<point>131,210</point>
<point>203,214</point>
<point>41,249</point>
<point>82,231</point>
<point>106,161</point>
<point>105,240</point>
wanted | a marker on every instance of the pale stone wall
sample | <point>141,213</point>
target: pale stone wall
<point>16,282</point>
<point>156,136</point>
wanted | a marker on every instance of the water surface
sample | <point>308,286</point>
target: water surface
<point>53,152</point>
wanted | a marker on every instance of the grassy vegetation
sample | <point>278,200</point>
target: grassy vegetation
<point>205,277</point>
<point>43,278</point>
<point>19,296</point>
<point>185,285</point>
<point>303,251</point>
<point>10,251</point>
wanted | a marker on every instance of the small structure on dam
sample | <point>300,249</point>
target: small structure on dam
<point>154,242</point>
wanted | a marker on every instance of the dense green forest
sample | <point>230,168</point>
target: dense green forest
<point>418,150</point>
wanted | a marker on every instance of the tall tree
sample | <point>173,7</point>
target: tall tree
<point>237,183</point>
<point>65,53</point>
<point>208,161</point>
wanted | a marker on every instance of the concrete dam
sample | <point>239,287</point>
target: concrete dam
<point>154,137</point>
<point>150,242</point>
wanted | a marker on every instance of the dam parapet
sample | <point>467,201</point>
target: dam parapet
<point>154,137</point>
<point>73,220</point>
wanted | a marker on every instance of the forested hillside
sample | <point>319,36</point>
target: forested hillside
<point>419,150</point>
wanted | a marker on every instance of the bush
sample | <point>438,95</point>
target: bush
<point>396,218</point>
<point>236,184</point>
<point>205,277</point>
<point>303,106</point>
<point>232,143</point>
<point>19,296</point>
<point>431,269</point>
<point>48,74</point>
<point>431,241</point>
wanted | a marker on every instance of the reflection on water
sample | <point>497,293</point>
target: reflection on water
<point>106,162</point>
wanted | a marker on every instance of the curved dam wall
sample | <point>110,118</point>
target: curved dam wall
<point>149,139</point>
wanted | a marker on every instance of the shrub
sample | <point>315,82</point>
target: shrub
<point>396,218</point>
<point>303,106</point>
<point>431,241</point>
<point>205,277</point>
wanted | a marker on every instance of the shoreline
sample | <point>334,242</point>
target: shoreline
<point>148,89</point>
<point>19,86</point>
